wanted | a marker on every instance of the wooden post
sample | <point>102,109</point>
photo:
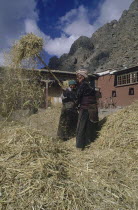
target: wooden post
<point>46,91</point>
<point>46,99</point>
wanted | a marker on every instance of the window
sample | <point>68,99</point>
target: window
<point>129,78</point>
<point>119,81</point>
<point>131,91</point>
<point>124,78</point>
<point>113,93</point>
<point>134,77</point>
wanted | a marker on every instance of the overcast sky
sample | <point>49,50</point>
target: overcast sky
<point>59,22</point>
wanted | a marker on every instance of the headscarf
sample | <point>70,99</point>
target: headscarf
<point>72,82</point>
<point>82,72</point>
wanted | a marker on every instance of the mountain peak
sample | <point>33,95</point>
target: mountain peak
<point>112,46</point>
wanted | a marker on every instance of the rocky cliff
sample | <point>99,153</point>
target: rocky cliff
<point>113,46</point>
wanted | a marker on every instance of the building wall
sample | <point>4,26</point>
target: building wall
<point>106,85</point>
<point>123,98</point>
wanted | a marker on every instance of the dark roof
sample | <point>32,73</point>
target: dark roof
<point>59,72</point>
<point>3,68</point>
<point>117,71</point>
<point>126,70</point>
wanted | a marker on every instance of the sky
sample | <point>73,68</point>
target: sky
<point>58,22</point>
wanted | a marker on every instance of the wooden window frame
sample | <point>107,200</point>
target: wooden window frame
<point>126,79</point>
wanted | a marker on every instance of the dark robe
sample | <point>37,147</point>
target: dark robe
<point>88,115</point>
<point>69,115</point>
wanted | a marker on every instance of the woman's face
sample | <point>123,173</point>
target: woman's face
<point>72,86</point>
<point>80,78</point>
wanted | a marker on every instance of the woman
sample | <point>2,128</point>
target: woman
<point>88,111</point>
<point>69,115</point>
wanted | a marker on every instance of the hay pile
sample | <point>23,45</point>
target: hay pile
<point>20,89</point>
<point>29,46</point>
<point>120,129</point>
<point>108,178</point>
<point>46,120</point>
<point>33,170</point>
<point>19,93</point>
<point>107,171</point>
<point>38,172</point>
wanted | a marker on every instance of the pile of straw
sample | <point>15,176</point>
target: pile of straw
<point>33,170</point>
<point>120,129</point>
<point>107,171</point>
<point>29,46</point>
<point>46,120</point>
<point>107,178</point>
<point>17,89</point>
<point>38,172</point>
<point>19,93</point>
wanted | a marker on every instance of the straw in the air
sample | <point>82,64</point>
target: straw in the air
<point>29,46</point>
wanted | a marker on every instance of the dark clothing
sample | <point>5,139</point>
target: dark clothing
<point>67,123</point>
<point>86,130</point>
<point>88,115</point>
<point>93,113</point>
<point>86,95</point>
<point>69,116</point>
<point>86,99</point>
<point>69,96</point>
